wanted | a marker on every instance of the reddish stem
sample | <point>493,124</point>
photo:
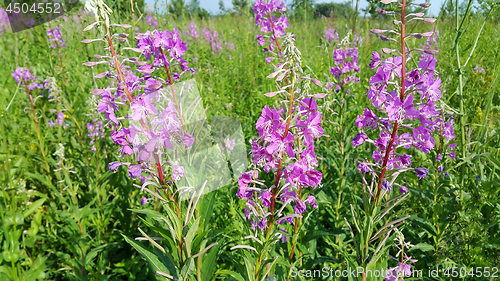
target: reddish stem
<point>61,60</point>
<point>297,219</point>
<point>130,97</point>
<point>32,105</point>
<point>280,163</point>
<point>295,230</point>
<point>401,97</point>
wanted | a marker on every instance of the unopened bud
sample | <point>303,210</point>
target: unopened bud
<point>316,82</point>
<point>90,63</point>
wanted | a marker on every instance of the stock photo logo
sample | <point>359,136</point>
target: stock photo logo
<point>203,154</point>
<point>25,14</point>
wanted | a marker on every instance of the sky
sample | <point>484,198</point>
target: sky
<point>213,5</point>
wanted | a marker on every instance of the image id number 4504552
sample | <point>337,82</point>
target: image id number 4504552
<point>40,8</point>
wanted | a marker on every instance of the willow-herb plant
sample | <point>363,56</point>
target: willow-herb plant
<point>157,135</point>
<point>285,149</point>
<point>29,82</point>
<point>406,116</point>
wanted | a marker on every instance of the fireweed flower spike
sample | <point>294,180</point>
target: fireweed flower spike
<point>285,148</point>
<point>151,132</point>
<point>55,38</point>
<point>212,38</point>
<point>56,42</point>
<point>193,31</point>
<point>31,84</point>
<point>156,128</point>
<point>270,24</point>
<point>346,65</point>
<point>55,97</point>
<point>405,116</point>
<point>4,21</point>
<point>331,35</point>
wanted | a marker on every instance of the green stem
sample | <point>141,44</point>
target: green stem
<point>460,85</point>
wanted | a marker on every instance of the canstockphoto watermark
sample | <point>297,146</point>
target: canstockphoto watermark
<point>326,272</point>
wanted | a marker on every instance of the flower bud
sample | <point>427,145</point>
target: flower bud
<point>316,82</point>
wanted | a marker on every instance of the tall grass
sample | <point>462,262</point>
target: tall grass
<point>76,234</point>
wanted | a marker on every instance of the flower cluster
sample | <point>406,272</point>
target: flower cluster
<point>431,45</point>
<point>229,145</point>
<point>397,273</point>
<point>54,96</point>
<point>269,23</point>
<point>152,20</point>
<point>193,31</point>
<point>23,76</point>
<point>346,65</point>
<point>418,104</point>
<point>406,114</point>
<point>478,69</point>
<point>155,120</point>
<point>4,21</point>
<point>285,147</point>
<point>55,38</point>
<point>331,35</point>
<point>404,268</point>
<point>158,45</point>
<point>269,150</point>
<point>213,40</point>
<point>59,120</point>
<point>61,167</point>
<point>96,130</point>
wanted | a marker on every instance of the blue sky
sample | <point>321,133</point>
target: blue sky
<point>213,5</point>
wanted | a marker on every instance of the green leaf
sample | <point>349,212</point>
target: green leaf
<point>374,260</point>
<point>174,220</point>
<point>33,207</point>
<point>206,209</point>
<point>151,258</point>
<point>247,258</point>
<point>233,274</point>
<point>492,159</point>
<point>268,267</point>
<point>191,232</point>
<point>92,254</point>
<point>425,224</point>
<point>187,270</point>
<point>168,261</point>
<point>40,178</point>
<point>37,270</point>
<point>148,212</point>
<point>209,264</point>
<point>424,247</point>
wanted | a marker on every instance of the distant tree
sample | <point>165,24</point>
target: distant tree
<point>177,8</point>
<point>195,10</point>
<point>303,8</point>
<point>222,7</point>
<point>241,6</point>
<point>484,7</point>
<point>447,9</point>
<point>339,9</point>
<point>374,5</point>
<point>125,7</point>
